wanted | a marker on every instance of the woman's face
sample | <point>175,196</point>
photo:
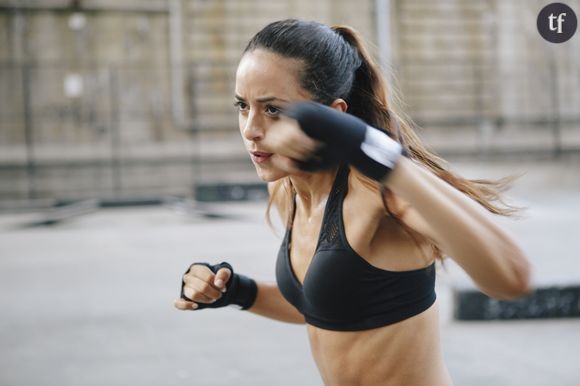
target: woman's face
<point>265,83</point>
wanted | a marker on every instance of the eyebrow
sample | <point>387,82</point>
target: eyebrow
<point>264,99</point>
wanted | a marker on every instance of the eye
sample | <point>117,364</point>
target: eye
<point>241,106</point>
<point>272,110</point>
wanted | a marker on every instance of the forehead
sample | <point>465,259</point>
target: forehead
<point>262,72</point>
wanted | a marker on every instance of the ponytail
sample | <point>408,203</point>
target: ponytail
<point>368,96</point>
<point>369,92</point>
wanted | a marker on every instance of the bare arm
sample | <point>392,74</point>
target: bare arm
<point>463,230</point>
<point>271,304</point>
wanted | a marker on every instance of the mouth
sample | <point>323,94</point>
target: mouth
<point>260,156</point>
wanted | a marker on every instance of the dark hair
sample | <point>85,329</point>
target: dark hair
<point>336,65</point>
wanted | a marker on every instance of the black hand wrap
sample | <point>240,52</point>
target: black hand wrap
<point>347,137</point>
<point>240,290</point>
<point>325,158</point>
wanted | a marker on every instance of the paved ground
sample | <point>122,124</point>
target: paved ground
<point>89,302</point>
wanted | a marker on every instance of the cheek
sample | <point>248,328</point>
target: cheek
<point>241,122</point>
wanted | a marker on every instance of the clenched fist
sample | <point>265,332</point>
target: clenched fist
<point>215,286</point>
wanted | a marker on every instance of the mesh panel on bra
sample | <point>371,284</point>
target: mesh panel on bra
<point>330,228</point>
<point>330,231</point>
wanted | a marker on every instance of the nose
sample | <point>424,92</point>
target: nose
<point>253,128</point>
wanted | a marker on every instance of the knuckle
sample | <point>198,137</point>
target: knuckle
<point>193,295</point>
<point>188,292</point>
<point>205,287</point>
<point>198,269</point>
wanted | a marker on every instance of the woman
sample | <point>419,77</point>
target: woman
<point>368,211</point>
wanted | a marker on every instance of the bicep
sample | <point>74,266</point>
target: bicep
<point>410,217</point>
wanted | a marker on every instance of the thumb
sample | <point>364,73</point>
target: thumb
<point>221,278</point>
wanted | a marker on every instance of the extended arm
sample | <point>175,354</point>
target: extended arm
<point>460,227</point>
<point>463,230</point>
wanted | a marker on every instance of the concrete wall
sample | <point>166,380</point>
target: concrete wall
<point>218,31</point>
<point>475,75</point>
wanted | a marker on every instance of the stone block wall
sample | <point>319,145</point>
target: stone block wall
<point>475,76</point>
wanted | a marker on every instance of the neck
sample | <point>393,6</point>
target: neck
<point>312,189</point>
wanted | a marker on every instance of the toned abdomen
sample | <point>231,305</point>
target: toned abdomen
<point>405,353</point>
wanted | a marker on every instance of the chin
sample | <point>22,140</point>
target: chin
<point>269,175</point>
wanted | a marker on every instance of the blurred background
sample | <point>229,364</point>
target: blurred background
<point>121,163</point>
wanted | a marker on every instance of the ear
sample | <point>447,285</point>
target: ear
<point>339,104</point>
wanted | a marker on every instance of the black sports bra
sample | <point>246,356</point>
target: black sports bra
<point>341,290</point>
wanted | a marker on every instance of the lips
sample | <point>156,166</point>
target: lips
<point>260,156</point>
